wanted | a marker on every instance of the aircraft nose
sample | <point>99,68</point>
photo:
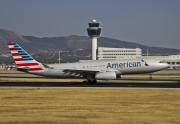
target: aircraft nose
<point>166,65</point>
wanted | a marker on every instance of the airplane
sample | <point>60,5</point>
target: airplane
<point>92,71</point>
<point>8,67</point>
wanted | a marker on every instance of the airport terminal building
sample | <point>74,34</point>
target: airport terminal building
<point>106,53</point>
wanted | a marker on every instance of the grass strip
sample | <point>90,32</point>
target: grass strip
<point>89,106</point>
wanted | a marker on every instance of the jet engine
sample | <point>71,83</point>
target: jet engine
<point>106,76</point>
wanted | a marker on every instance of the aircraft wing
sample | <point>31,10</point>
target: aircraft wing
<point>82,72</point>
<point>79,72</point>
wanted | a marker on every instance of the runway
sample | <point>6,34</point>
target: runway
<point>23,80</point>
<point>141,85</point>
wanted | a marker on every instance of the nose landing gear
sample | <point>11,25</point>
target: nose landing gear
<point>150,76</point>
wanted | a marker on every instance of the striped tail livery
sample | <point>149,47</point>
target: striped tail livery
<point>24,62</point>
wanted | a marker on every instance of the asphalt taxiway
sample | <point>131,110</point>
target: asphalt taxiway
<point>149,85</point>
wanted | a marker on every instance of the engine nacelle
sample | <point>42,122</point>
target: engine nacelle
<point>106,76</point>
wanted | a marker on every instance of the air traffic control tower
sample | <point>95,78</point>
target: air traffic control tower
<point>94,32</point>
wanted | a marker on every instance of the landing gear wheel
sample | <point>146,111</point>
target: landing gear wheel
<point>150,78</point>
<point>94,81</point>
<point>90,82</point>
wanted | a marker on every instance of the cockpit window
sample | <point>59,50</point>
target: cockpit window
<point>161,62</point>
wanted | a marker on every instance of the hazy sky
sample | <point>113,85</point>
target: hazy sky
<point>148,22</point>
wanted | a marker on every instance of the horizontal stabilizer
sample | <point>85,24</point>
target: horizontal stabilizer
<point>25,69</point>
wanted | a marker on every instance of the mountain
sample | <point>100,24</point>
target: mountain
<point>70,42</point>
<point>34,44</point>
<point>8,36</point>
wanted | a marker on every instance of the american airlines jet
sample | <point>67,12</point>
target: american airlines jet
<point>92,71</point>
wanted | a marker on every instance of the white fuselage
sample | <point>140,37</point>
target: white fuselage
<point>120,67</point>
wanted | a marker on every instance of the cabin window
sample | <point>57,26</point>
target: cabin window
<point>161,62</point>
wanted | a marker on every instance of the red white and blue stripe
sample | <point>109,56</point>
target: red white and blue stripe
<point>22,58</point>
<point>146,64</point>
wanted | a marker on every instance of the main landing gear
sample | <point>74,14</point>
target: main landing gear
<point>90,81</point>
<point>150,76</point>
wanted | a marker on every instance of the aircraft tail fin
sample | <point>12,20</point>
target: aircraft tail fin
<point>24,62</point>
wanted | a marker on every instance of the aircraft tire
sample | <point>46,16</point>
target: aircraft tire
<point>90,82</point>
<point>150,78</point>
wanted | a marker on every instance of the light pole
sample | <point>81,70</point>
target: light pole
<point>147,52</point>
<point>59,56</point>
